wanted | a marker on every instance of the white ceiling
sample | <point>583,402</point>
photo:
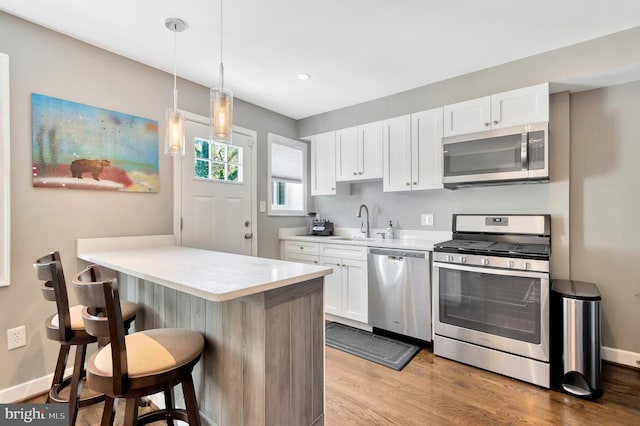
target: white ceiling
<point>355,50</point>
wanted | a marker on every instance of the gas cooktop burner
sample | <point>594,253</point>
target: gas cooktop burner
<point>494,248</point>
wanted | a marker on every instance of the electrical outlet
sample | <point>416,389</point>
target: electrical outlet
<point>16,337</point>
<point>426,219</point>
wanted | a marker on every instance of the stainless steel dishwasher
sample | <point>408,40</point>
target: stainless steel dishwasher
<point>400,291</point>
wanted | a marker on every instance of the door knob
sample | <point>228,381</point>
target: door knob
<point>247,224</point>
<point>248,236</point>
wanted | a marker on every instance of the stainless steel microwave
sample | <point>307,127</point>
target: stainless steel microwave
<point>510,155</point>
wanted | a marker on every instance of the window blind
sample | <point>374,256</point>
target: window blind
<point>286,163</point>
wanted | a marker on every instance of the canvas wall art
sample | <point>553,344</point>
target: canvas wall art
<point>79,146</point>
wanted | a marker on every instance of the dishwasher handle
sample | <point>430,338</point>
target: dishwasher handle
<point>398,258</point>
<point>397,254</point>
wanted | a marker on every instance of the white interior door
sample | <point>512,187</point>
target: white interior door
<point>217,191</point>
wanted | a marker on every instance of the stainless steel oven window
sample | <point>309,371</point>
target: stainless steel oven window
<point>500,305</point>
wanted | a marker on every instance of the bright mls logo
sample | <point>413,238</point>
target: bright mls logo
<point>37,414</point>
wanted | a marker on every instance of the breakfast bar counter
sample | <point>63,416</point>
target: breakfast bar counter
<point>263,322</point>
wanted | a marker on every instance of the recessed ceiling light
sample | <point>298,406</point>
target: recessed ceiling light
<point>303,76</point>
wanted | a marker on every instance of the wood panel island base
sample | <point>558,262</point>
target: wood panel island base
<point>263,322</point>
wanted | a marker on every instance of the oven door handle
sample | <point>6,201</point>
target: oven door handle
<point>493,271</point>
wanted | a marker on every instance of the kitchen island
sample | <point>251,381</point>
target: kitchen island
<point>262,320</point>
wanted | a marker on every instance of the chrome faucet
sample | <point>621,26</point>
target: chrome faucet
<point>367,230</point>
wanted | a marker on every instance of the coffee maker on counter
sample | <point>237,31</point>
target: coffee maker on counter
<point>322,227</point>
<point>318,226</point>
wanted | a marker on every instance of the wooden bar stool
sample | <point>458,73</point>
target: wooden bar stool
<point>67,328</point>
<point>137,365</point>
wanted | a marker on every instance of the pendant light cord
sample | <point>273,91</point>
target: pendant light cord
<point>221,66</point>
<point>175,69</point>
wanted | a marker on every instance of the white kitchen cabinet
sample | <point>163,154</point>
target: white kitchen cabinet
<point>323,164</point>
<point>507,109</point>
<point>396,154</point>
<point>521,106</point>
<point>359,152</point>
<point>345,291</point>
<point>300,251</point>
<point>426,149</point>
<point>412,152</point>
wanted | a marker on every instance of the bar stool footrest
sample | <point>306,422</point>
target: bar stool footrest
<point>163,415</point>
<point>55,397</point>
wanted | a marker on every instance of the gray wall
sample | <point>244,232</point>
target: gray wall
<point>605,201</point>
<point>45,219</point>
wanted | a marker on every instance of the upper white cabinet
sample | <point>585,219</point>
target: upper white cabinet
<point>323,164</point>
<point>426,149</point>
<point>396,154</point>
<point>507,109</point>
<point>359,152</point>
<point>412,151</point>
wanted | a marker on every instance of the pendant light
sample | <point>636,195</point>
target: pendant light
<point>221,104</point>
<point>174,137</point>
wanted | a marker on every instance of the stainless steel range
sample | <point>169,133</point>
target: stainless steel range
<point>491,295</point>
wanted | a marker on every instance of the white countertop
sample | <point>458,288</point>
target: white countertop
<point>409,244</point>
<point>211,275</point>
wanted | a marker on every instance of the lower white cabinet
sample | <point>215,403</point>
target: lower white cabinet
<point>345,291</point>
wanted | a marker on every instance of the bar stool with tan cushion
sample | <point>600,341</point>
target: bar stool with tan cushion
<point>67,328</point>
<point>140,364</point>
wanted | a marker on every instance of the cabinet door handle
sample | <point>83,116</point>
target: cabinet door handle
<point>408,183</point>
<point>495,121</point>
<point>415,183</point>
<point>355,173</point>
<point>486,124</point>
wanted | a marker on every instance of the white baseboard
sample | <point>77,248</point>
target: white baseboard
<point>347,321</point>
<point>29,389</point>
<point>619,356</point>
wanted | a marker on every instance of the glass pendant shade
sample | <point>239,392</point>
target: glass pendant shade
<point>222,114</point>
<point>174,138</point>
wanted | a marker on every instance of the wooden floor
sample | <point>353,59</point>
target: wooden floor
<point>435,391</point>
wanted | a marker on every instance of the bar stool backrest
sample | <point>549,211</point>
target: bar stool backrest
<point>103,318</point>
<point>54,289</point>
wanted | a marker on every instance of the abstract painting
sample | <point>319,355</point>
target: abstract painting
<point>79,146</point>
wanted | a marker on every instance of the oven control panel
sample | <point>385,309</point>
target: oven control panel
<point>492,261</point>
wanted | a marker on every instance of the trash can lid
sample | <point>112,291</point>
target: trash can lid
<point>576,289</point>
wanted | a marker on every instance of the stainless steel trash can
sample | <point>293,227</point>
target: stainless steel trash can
<point>575,325</point>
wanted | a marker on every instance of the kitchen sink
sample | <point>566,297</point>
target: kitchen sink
<point>357,238</point>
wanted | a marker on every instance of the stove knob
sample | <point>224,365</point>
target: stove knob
<point>526,265</point>
<point>463,259</point>
<point>510,264</point>
<point>449,258</point>
<point>484,261</point>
